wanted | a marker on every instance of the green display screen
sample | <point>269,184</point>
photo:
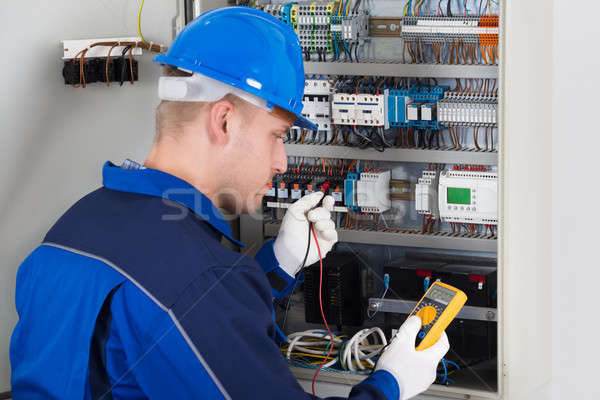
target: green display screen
<point>459,195</point>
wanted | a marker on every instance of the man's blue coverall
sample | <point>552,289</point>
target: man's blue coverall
<point>131,295</point>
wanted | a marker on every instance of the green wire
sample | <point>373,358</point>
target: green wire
<point>312,32</point>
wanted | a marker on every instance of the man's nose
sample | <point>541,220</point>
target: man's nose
<point>280,158</point>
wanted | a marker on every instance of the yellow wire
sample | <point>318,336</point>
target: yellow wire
<point>312,355</point>
<point>140,21</point>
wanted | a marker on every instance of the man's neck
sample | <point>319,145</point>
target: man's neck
<point>170,158</point>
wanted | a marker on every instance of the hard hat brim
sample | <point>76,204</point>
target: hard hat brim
<point>303,123</point>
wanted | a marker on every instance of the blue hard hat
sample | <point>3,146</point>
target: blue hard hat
<point>248,49</point>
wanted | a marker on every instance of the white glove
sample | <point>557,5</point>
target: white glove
<point>414,370</point>
<point>292,241</point>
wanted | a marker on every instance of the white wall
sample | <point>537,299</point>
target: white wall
<point>55,138</point>
<point>575,161</point>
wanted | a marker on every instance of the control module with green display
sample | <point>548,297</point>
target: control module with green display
<point>456,195</point>
<point>469,197</point>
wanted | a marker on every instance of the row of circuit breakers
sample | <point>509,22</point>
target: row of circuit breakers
<point>450,195</point>
<point>419,107</point>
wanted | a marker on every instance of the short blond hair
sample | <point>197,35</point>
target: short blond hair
<point>172,116</point>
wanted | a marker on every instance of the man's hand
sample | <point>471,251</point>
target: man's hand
<point>292,241</point>
<point>414,370</point>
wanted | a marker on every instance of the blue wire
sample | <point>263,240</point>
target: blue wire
<point>445,372</point>
<point>453,363</point>
<point>335,45</point>
<point>346,48</point>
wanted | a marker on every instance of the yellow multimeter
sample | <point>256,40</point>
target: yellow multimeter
<point>437,308</point>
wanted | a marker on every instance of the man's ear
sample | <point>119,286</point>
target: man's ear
<point>220,119</point>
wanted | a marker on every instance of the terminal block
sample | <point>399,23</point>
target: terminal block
<point>314,26</point>
<point>469,111</point>
<point>429,29</point>
<point>451,40</point>
<point>355,26</point>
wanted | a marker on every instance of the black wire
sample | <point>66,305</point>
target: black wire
<point>287,307</point>
<point>356,53</point>
<point>420,139</point>
<point>307,247</point>
<point>448,10</point>
<point>361,135</point>
<point>385,142</point>
<point>430,135</point>
<point>348,53</point>
<point>124,64</point>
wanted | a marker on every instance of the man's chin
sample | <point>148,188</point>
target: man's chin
<point>255,205</point>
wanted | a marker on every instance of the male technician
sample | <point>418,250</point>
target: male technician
<point>132,295</point>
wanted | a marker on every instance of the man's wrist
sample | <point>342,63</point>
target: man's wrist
<point>280,280</point>
<point>285,259</point>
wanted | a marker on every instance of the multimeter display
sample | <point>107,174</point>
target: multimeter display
<point>437,309</point>
<point>441,294</point>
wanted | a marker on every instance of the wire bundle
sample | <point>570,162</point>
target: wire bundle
<point>356,354</point>
<point>358,350</point>
<point>128,47</point>
<point>341,46</point>
<point>312,346</point>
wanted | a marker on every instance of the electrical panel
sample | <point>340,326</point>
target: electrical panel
<point>405,97</point>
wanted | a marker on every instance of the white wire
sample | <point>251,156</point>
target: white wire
<point>360,348</point>
<point>295,341</point>
<point>356,349</point>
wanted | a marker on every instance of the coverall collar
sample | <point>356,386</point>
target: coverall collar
<point>157,183</point>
